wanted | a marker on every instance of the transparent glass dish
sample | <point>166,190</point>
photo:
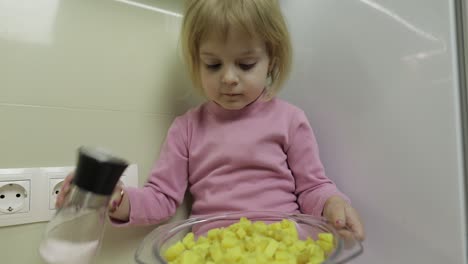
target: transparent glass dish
<point>151,249</point>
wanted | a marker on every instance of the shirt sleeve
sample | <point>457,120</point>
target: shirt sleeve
<point>164,191</point>
<point>313,187</point>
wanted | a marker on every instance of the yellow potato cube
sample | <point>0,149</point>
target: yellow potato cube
<point>213,233</point>
<point>261,259</point>
<point>288,241</point>
<point>216,253</point>
<point>228,233</point>
<point>282,255</point>
<point>327,237</point>
<point>261,246</point>
<point>203,240</point>
<point>271,248</point>
<point>299,245</point>
<point>275,226</point>
<point>316,260</point>
<point>327,247</point>
<point>285,223</point>
<point>249,244</point>
<point>260,227</point>
<point>293,232</point>
<point>309,241</point>
<point>302,257</point>
<point>279,235</point>
<point>189,240</point>
<point>241,233</point>
<point>228,242</point>
<point>250,260</point>
<point>245,221</point>
<point>201,249</point>
<point>234,253</point>
<point>174,251</point>
<point>311,248</point>
<point>190,257</point>
<point>319,252</point>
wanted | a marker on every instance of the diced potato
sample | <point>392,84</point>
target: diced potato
<point>327,247</point>
<point>189,240</point>
<point>203,240</point>
<point>282,255</point>
<point>173,252</point>
<point>228,242</point>
<point>234,253</point>
<point>260,226</point>
<point>327,237</point>
<point>288,241</point>
<point>312,248</point>
<point>316,261</point>
<point>213,234</point>
<point>248,242</point>
<point>241,233</point>
<point>271,248</point>
<point>275,226</point>
<point>201,249</point>
<point>216,253</point>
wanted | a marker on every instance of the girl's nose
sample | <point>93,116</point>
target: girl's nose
<point>229,77</point>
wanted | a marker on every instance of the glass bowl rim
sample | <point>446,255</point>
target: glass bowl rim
<point>163,232</point>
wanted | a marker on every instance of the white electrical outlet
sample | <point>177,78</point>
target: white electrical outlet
<point>54,177</point>
<point>54,190</point>
<point>29,195</point>
<point>15,196</point>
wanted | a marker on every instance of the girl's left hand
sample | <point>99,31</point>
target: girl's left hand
<point>341,215</point>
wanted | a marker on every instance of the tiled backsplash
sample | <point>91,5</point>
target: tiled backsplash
<point>82,72</point>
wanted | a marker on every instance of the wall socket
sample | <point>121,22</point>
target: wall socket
<point>54,177</point>
<point>54,190</point>
<point>14,197</point>
<point>27,195</point>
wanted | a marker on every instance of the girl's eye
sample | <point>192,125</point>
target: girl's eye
<point>213,66</point>
<point>247,67</point>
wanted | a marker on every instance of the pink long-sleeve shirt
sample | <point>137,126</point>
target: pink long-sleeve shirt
<point>262,157</point>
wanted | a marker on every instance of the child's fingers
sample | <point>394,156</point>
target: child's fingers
<point>346,234</point>
<point>116,197</point>
<point>354,222</point>
<point>64,190</point>
<point>335,213</point>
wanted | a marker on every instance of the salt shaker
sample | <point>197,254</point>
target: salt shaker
<point>74,234</point>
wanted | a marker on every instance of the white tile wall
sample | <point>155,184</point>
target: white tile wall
<point>82,72</point>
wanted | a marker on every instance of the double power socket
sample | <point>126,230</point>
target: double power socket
<point>28,195</point>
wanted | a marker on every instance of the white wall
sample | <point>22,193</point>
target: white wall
<point>76,72</point>
<point>378,81</point>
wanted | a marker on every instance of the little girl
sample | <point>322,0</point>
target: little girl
<point>244,149</point>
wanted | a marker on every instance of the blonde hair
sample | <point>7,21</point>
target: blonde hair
<point>262,18</point>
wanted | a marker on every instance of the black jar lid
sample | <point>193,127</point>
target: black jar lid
<point>97,170</point>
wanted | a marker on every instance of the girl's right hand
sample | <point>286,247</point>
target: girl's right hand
<point>64,190</point>
<point>116,198</point>
<point>119,205</point>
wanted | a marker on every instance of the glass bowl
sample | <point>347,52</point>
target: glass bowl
<point>151,249</point>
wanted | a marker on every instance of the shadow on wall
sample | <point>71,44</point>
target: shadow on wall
<point>177,88</point>
<point>183,96</point>
<point>180,90</point>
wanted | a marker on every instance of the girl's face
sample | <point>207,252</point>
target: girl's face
<point>233,71</point>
